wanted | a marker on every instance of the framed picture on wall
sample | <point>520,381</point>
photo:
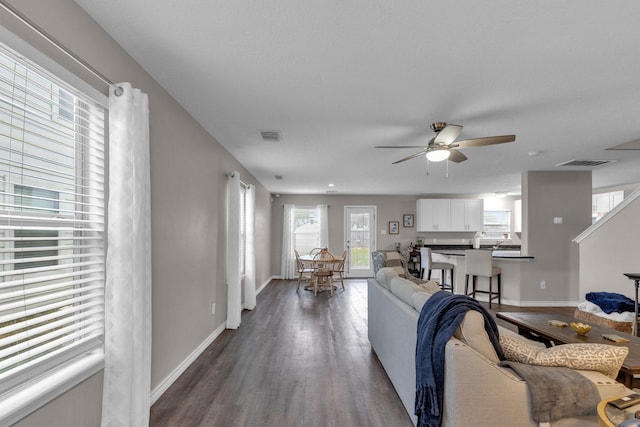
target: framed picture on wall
<point>407,220</point>
<point>394,227</point>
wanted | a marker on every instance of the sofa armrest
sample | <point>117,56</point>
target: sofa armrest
<point>472,381</point>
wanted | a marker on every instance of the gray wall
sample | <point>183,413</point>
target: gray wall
<point>188,196</point>
<point>546,195</point>
<point>611,250</point>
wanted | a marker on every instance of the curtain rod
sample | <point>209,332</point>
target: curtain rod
<point>118,90</point>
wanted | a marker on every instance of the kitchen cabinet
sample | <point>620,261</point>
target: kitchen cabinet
<point>467,215</point>
<point>433,214</point>
<point>449,215</point>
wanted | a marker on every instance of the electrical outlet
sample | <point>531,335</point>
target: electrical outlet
<point>213,308</point>
<point>543,284</point>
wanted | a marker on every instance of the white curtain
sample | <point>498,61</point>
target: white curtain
<point>323,219</point>
<point>250,255</point>
<point>287,266</point>
<point>234,290</point>
<point>127,374</point>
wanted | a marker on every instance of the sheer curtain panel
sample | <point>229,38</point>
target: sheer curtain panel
<point>234,291</point>
<point>250,255</point>
<point>288,262</point>
<point>127,376</point>
<point>323,219</point>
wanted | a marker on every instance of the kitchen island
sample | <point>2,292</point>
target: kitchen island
<point>509,260</point>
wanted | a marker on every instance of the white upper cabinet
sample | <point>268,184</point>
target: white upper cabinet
<point>433,214</point>
<point>467,215</point>
<point>449,215</point>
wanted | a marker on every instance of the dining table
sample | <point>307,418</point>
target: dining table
<point>321,260</point>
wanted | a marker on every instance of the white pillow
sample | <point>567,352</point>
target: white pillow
<point>404,289</point>
<point>384,276</point>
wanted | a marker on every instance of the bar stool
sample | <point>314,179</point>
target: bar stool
<point>427,264</point>
<point>479,262</point>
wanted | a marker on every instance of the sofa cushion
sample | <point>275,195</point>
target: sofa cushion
<point>404,289</point>
<point>384,276</point>
<point>393,259</point>
<point>419,298</point>
<point>430,286</point>
<point>592,357</point>
<point>471,332</point>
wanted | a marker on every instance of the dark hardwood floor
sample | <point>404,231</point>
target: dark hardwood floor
<point>296,360</point>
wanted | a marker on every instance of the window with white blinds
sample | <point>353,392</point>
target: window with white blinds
<point>52,251</point>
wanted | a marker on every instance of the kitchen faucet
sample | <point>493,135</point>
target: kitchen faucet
<point>497,244</point>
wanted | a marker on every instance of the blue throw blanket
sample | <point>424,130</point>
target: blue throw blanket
<point>440,317</point>
<point>610,302</point>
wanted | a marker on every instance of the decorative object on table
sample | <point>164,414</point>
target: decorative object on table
<point>580,328</point>
<point>394,227</point>
<point>407,220</point>
<point>615,338</point>
<point>559,323</point>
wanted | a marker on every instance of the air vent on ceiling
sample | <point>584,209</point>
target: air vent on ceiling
<point>270,135</point>
<point>278,176</point>
<point>585,163</point>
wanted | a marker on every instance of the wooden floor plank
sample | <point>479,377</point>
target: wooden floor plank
<point>296,360</point>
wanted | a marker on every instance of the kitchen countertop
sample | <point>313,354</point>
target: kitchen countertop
<point>501,254</point>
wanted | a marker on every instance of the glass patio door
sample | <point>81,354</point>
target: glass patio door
<point>360,240</point>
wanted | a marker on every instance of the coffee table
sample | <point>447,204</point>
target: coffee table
<point>609,416</point>
<point>536,326</point>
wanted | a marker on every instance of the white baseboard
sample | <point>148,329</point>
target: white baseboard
<point>265,283</point>
<point>173,376</point>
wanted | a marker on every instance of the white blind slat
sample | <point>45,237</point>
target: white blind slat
<point>52,213</point>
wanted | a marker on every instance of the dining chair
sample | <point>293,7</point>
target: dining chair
<point>338,271</point>
<point>315,251</point>
<point>427,264</point>
<point>323,271</point>
<point>479,262</point>
<point>304,273</point>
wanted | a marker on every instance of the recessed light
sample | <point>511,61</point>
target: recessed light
<point>332,185</point>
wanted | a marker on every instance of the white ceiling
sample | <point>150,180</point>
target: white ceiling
<point>338,77</point>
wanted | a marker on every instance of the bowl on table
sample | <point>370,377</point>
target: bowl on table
<point>580,328</point>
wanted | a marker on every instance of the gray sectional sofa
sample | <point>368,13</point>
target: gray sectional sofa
<point>478,392</point>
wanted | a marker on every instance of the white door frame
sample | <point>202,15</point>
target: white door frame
<point>351,270</point>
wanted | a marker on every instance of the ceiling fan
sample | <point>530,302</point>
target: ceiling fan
<point>443,146</point>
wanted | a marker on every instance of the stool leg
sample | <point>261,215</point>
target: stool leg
<point>474,280</point>
<point>466,284</point>
<point>452,276</point>
<point>490,291</point>
<point>499,289</point>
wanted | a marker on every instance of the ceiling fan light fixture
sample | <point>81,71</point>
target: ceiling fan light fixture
<point>438,154</point>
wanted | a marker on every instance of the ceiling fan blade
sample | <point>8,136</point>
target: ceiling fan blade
<point>487,140</point>
<point>418,154</point>
<point>401,146</point>
<point>447,135</point>
<point>456,156</point>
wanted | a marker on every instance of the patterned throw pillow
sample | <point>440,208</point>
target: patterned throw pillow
<point>518,350</point>
<point>591,357</point>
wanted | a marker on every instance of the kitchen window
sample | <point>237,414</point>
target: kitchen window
<point>497,225</point>
<point>52,237</point>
